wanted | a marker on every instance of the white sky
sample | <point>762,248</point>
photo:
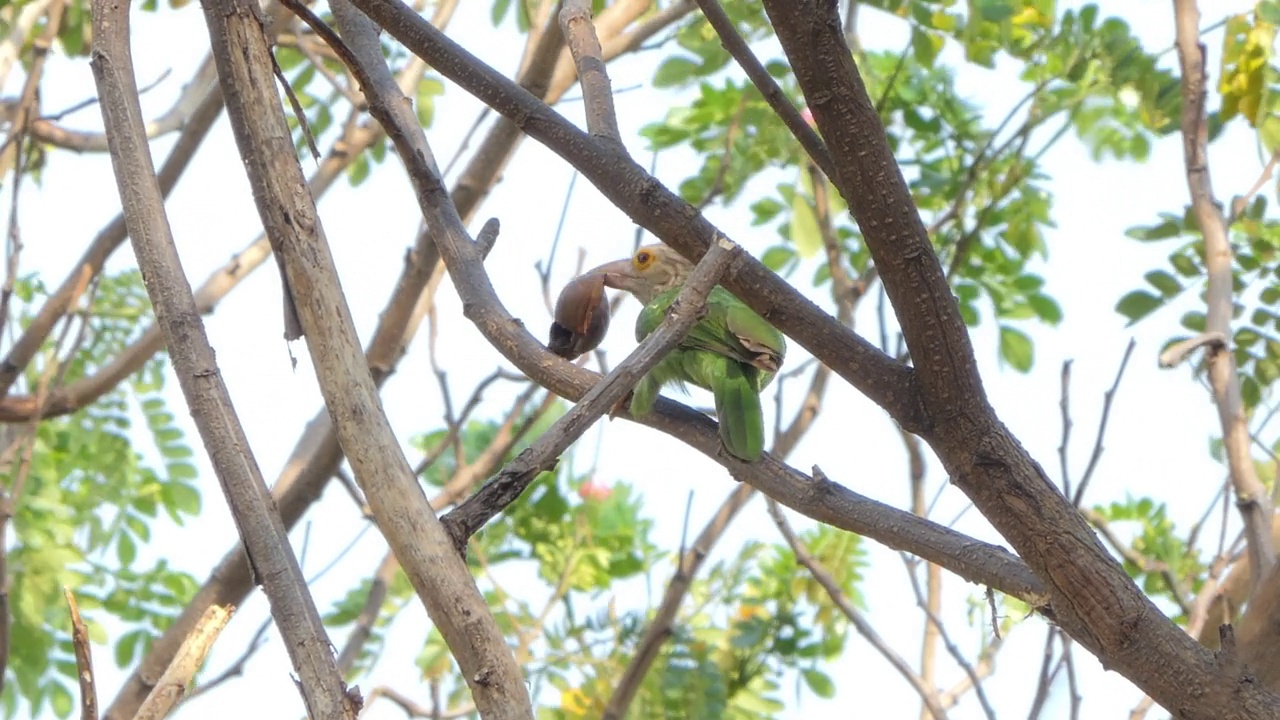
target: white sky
<point>1157,445</point>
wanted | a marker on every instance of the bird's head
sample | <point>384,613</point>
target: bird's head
<point>651,271</point>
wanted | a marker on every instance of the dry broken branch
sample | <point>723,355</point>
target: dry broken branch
<point>172,685</point>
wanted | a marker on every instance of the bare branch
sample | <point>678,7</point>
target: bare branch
<point>413,709</point>
<point>1251,497</point>
<point>236,668</point>
<point>194,131</point>
<point>317,454</point>
<point>255,515</point>
<point>597,94</point>
<point>420,542</point>
<point>1107,399</point>
<point>176,118</point>
<point>1093,599</point>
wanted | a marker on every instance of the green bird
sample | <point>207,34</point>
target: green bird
<point>732,351</point>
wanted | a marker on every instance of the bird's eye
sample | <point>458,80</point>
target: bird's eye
<point>643,258</point>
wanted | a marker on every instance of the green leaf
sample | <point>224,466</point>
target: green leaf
<point>1268,11</point>
<point>499,11</point>
<point>1046,308</point>
<point>1016,348</point>
<point>805,234</point>
<point>777,257</point>
<point>60,699</point>
<point>925,46</point>
<point>1137,305</point>
<point>181,498</point>
<point>1165,230</point>
<point>995,10</point>
<point>126,549</point>
<point>819,682</point>
<point>428,89</point>
<point>1167,284</point>
<point>674,71</point>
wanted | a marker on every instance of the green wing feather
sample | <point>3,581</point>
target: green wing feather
<point>732,351</point>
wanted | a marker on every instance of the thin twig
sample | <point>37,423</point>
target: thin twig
<point>768,88</point>
<point>928,694</point>
<point>1107,399</point>
<point>931,617</point>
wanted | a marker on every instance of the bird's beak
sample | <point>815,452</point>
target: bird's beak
<point>618,274</point>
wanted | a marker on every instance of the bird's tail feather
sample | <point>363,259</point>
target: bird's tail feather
<point>738,410</point>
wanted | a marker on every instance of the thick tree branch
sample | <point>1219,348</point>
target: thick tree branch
<point>257,521</point>
<point>1092,598</point>
<point>317,454</point>
<point>1251,497</point>
<point>440,577</point>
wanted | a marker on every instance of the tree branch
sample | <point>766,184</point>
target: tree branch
<point>316,456</point>
<point>1251,497</point>
<point>1092,598</point>
<point>255,515</point>
<point>597,94</point>
<point>440,577</point>
<point>194,131</point>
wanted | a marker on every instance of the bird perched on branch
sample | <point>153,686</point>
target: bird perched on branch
<point>731,351</point>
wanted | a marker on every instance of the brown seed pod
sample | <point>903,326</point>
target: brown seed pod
<point>581,317</point>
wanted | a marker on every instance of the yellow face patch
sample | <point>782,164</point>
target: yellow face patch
<point>643,259</point>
